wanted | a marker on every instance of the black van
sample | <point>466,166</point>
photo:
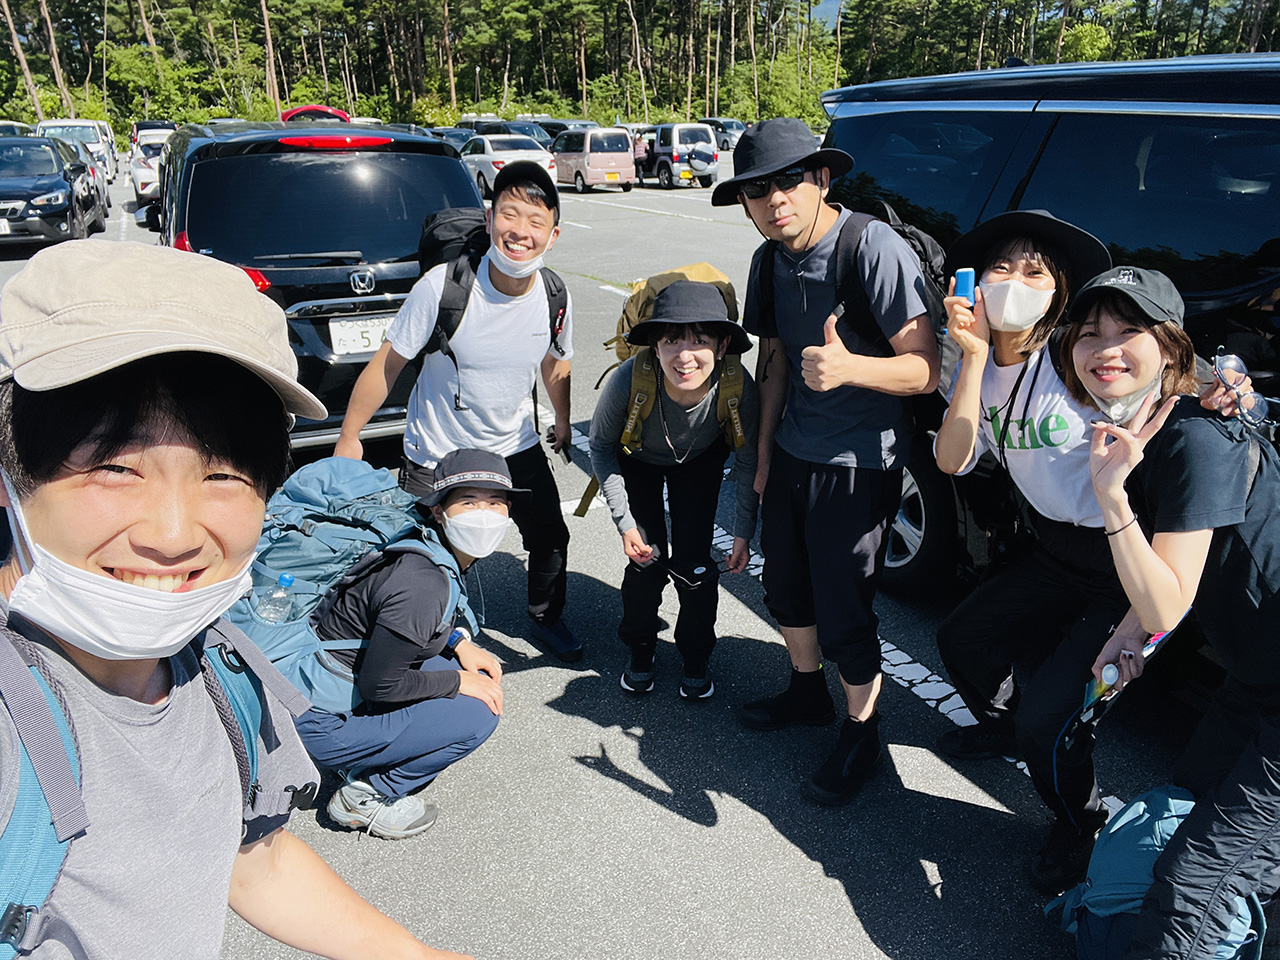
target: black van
<point>326,220</point>
<point>1174,164</point>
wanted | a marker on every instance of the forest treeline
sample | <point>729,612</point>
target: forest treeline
<point>428,60</point>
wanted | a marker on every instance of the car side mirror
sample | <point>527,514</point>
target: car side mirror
<point>76,169</point>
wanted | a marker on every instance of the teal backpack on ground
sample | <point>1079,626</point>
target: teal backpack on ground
<point>331,522</point>
<point>41,810</point>
<point>1102,910</point>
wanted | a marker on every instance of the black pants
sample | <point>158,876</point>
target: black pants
<point>1229,845</point>
<point>539,520</point>
<point>823,539</point>
<point>1042,621</point>
<point>693,490</point>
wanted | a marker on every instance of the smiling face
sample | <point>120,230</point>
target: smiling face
<point>1114,355</point>
<point>522,228</point>
<point>1021,263</point>
<point>790,216</point>
<point>687,355</point>
<point>157,515</point>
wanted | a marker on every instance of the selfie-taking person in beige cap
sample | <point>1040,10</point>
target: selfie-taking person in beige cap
<point>146,396</point>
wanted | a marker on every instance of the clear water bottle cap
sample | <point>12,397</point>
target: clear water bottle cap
<point>285,580</point>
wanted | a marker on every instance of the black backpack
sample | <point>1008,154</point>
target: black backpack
<point>849,289</point>
<point>457,236</point>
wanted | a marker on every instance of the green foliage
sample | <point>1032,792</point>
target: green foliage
<point>1085,41</point>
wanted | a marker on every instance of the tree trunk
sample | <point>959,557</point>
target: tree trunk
<point>22,60</point>
<point>582,61</point>
<point>688,77</point>
<point>835,74</point>
<point>273,91</point>
<point>982,35</point>
<point>284,80</point>
<point>56,62</point>
<point>1204,18</point>
<point>324,61</point>
<point>151,38</point>
<point>506,78</point>
<point>217,65</point>
<point>1062,29</point>
<point>635,33</point>
<point>755,67</point>
<point>391,56</point>
<point>871,48</point>
<point>719,31</point>
<point>448,57</point>
<point>706,60</point>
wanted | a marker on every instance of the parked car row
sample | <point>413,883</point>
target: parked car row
<point>48,191</point>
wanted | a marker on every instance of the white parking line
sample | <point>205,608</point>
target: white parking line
<point>612,289</point>
<point>574,223</point>
<point>659,213</point>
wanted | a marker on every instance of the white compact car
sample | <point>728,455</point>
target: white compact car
<point>484,156</point>
<point>144,164</point>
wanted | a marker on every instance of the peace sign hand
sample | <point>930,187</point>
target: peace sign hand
<point>1111,461</point>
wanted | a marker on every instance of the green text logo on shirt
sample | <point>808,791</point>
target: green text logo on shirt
<point>1052,431</point>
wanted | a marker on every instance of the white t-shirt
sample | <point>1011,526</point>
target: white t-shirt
<point>1046,447</point>
<point>499,346</point>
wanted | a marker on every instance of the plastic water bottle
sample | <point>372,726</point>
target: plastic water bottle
<point>276,605</point>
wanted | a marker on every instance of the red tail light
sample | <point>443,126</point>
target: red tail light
<point>675,157</point>
<point>180,241</point>
<point>715,156</point>
<point>259,279</point>
<point>551,165</point>
<point>499,164</point>
<point>334,142</point>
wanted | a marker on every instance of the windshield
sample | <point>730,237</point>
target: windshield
<point>513,143</point>
<point>529,130</point>
<point>735,125</point>
<point>695,135</point>
<point>17,160</point>
<point>72,131</point>
<point>617,142</point>
<point>245,206</point>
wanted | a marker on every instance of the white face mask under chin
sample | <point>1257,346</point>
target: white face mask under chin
<point>476,533</point>
<point>1120,410</point>
<point>107,617</point>
<point>516,269</point>
<point>1012,306</point>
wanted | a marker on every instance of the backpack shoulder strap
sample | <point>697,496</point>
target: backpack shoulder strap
<point>437,553</point>
<point>762,268</point>
<point>644,393</point>
<point>849,285</point>
<point>557,304</point>
<point>226,634</point>
<point>729,399</point>
<point>237,697</point>
<point>459,278</point>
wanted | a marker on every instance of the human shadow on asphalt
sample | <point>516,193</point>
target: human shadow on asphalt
<point>927,876</point>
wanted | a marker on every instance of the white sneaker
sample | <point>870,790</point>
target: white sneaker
<point>358,805</point>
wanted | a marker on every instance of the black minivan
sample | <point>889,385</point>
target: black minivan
<point>326,221</point>
<point>1174,164</point>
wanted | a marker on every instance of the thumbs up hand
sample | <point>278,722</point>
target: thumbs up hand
<point>830,365</point>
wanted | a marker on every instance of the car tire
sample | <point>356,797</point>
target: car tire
<point>137,200</point>
<point>922,533</point>
<point>77,229</point>
<point>483,185</point>
<point>665,180</point>
<point>706,181</point>
<point>99,222</point>
<point>579,184</point>
<point>626,187</point>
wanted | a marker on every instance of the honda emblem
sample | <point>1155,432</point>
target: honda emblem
<point>362,281</point>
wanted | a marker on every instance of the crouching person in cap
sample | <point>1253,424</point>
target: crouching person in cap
<point>834,428</point>
<point>430,695</point>
<point>146,396</point>
<point>695,352</point>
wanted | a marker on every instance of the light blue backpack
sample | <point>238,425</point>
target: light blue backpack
<point>332,522</point>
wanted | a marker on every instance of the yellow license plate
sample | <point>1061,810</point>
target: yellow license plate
<point>611,176</point>
<point>686,175</point>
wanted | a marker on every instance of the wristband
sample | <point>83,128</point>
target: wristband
<point>458,636</point>
<point>1112,533</point>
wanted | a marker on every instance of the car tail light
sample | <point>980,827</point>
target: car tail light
<point>334,142</point>
<point>715,156</point>
<point>499,164</point>
<point>551,165</point>
<point>675,157</point>
<point>259,279</point>
<point>180,241</point>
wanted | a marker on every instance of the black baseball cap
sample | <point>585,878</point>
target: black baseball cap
<point>772,146</point>
<point>1149,290</point>
<point>691,301</point>
<point>525,170</point>
<point>475,469</point>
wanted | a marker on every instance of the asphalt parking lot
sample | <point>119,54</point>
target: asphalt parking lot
<point>595,825</point>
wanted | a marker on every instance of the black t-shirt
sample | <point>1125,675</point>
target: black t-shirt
<point>397,607</point>
<point>1194,475</point>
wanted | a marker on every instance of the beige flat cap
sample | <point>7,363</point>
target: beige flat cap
<point>84,307</point>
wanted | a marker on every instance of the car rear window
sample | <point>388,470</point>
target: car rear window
<point>1196,198</point>
<point>935,168</point>
<point>695,135</point>
<point>514,143</point>
<point>150,150</point>
<point>611,143</point>
<point>253,205</point>
<point>81,132</point>
<point>17,160</point>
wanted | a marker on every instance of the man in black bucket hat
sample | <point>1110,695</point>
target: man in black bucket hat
<point>838,355</point>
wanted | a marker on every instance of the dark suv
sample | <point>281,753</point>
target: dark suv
<point>326,221</point>
<point>46,191</point>
<point>1174,164</point>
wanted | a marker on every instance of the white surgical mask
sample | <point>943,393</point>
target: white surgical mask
<point>1120,410</point>
<point>516,269</point>
<point>476,533</point>
<point>106,617</point>
<point>1013,306</point>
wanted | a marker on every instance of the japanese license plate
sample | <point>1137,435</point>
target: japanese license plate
<point>686,174</point>
<point>4,227</point>
<point>611,176</point>
<point>357,336</point>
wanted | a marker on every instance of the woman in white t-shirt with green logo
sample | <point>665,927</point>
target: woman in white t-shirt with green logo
<point>1051,612</point>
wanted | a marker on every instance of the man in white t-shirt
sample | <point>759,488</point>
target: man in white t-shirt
<point>480,396</point>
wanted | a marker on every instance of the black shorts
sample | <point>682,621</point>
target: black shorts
<point>823,538</point>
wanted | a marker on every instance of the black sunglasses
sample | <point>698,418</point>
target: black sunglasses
<point>786,181</point>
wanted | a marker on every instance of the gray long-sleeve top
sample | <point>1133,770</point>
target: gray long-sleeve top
<point>694,429</point>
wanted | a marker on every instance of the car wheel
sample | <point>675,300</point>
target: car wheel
<point>484,187</point>
<point>706,181</point>
<point>137,200</point>
<point>626,188</point>
<point>922,534</point>
<point>579,184</point>
<point>99,223</point>
<point>665,180</point>
<point>107,198</point>
<point>77,228</point>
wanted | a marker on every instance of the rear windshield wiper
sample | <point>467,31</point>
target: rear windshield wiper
<point>341,256</point>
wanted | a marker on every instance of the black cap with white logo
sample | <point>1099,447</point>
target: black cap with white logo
<point>1150,291</point>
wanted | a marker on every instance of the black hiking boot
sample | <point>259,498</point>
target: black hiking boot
<point>1063,861</point>
<point>857,754</point>
<point>982,741</point>
<point>806,700</point>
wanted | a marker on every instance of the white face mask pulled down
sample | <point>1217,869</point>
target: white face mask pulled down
<point>106,617</point>
<point>1120,410</point>
<point>476,533</point>
<point>1012,306</point>
<point>516,269</point>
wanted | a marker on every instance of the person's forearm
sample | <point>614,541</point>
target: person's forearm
<point>371,390</point>
<point>1158,596</point>
<point>281,886</point>
<point>958,434</point>
<point>904,375</point>
<point>555,376</point>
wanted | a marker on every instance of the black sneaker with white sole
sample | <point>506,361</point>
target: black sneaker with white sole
<point>697,688</point>
<point>636,682</point>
